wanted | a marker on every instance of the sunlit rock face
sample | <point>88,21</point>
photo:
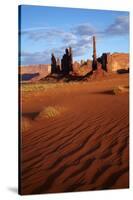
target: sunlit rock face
<point>118,61</point>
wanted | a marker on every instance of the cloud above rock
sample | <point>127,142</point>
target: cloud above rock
<point>84,30</point>
<point>79,37</point>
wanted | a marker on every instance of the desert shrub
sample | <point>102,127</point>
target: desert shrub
<point>25,124</point>
<point>50,112</point>
<point>120,90</point>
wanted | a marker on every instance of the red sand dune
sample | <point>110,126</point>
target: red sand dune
<point>85,148</point>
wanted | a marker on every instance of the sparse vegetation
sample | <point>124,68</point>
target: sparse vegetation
<point>50,112</point>
<point>26,124</point>
<point>35,87</point>
<point>31,87</point>
<point>120,90</point>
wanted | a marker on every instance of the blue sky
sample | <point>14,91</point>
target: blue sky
<point>45,30</point>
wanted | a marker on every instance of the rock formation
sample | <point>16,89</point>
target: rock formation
<point>94,62</point>
<point>66,62</point>
<point>58,66</point>
<point>53,64</point>
<point>34,72</point>
<point>110,62</point>
<point>118,61</point>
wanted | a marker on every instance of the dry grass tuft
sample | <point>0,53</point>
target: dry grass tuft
<point>50,112</point>
<point>25,124</point>
<point>37,87</point>
<point>120,90</point>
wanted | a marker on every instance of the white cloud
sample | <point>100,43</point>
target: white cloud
<point>119,27</point>
<point>78,37</point>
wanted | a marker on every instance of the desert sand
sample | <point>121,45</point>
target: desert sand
<point>82,146</point>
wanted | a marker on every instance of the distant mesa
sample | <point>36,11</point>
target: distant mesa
<point>34,73</point>
<point>28,77</point>
<point>65,69</point>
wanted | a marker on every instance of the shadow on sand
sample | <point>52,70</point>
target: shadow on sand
<point>30,115</point>
<point>107,92</point>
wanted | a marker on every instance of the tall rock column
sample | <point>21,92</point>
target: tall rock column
<point>70,59</point>
<point>94,62</point>
<point>53,64</point>
<point>58,65</point>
